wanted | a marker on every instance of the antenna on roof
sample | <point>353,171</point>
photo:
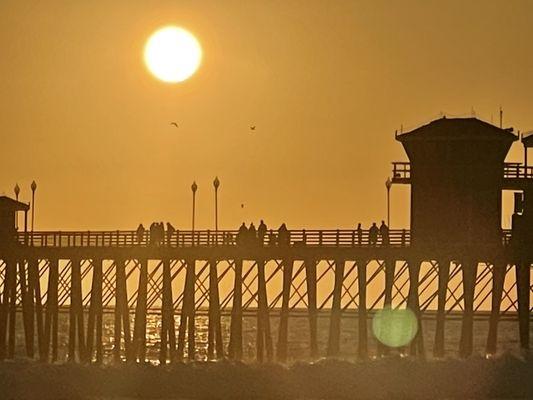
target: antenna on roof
<point>473,112</point>
<point>401,128</point>
<point>501,117</point>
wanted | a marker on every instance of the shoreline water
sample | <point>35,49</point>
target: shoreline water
<point>387,378</point>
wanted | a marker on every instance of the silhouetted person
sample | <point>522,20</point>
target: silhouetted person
<point>283,236</point>
<point>261,233</point>
<point>170,232</point>
<point>241,235</point>
<point>384,232</point>
<point>153,233</point>
<point>252,235</point>
<point>373,234</point>
<point>161,233</point>
<point>359,234</point>
<point>140,233</point>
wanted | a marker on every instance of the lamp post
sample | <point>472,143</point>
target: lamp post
<point>17,191</point>
<point>216,184</point>
<point>194,188</point>
<point>33,188</point>
<point>388,185</point>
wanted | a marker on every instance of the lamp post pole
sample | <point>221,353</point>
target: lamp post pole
<point>194,188</point>
<point>388,184</point>
<point>216,184</point>
<point>33,188</point>
<point>17,192</point>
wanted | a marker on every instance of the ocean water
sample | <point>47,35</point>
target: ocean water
<point>298,346</point>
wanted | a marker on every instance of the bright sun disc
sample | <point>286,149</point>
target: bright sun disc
<point>172,54</point>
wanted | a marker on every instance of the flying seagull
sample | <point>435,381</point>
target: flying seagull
<point>174,124</point>
<point>252,128</point>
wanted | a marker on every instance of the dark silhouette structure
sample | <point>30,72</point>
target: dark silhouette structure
<point>457,174</point>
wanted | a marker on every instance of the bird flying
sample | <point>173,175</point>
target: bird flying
<point>252,128</point>
<point>174,124</point>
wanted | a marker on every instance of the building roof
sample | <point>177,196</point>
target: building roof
<point>13,205</point>
<point>458,129</point>
<point>527,139</point>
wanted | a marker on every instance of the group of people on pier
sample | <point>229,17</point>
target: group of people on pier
<point>374,233</point>
<point>158,235</point>
<point>250,236</point>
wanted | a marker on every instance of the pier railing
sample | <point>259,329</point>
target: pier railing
<point>209,238</point>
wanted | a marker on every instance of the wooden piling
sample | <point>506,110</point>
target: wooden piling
<point>413,303</point>
<point>335,319</point>
<point>215,345</point>
<point>7,321</point>
<point>94,323</point>
<point>188,313</point>
<point>27,308</point>
<point>35,293</point>
<point>523,282</point>
<point>390,269</point>
<point>469,268</point>
<point>264,339</point>
<point>442,291</point>
<point>76,330</point>
<point>362,316</point>
<point>283,334</point>
<point>235,340</point>
<point>498,277</point>
<point>168,333</point>
<point>52,310</point>
<point>139,329</point>
<point>122,320</point>
<point>310,277</point>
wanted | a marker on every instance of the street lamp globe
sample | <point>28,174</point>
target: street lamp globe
<point>33,186</point>
<point>194,187</point>
<point>17,190</point>
<point>388,183</point>
<point>216,183</point>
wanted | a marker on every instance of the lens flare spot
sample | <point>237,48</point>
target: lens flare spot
<point>395,327</point>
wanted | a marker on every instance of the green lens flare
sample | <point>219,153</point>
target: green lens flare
<point>395,328</point>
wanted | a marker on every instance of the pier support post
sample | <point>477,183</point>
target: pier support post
<point>310,277</point>
<point>390,270</point>
<point>27,308</point>
<point>52,310</point>
<point>94,323</point>
<point>188,313</point>
<point>168,333</point>
<point>498,277</point>
<point>335,320</point>
<point>362,349</point>
<point>76,330</point>
<point>235,340</point>
<point>215,345</point>
<point>283,338</point>
<point>413,303</point>
<point>9,298</point>
<point>34,285</point>
<point>469,268</point>
<point>122,314</point>
<point>264,340</point>
<point>442,291</point>
<point>139,328</point>
<point>523,282</point>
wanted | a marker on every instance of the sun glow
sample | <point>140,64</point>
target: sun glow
<point>172,54</point>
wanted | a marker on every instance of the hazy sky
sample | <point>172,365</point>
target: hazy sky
<point>325,82</point>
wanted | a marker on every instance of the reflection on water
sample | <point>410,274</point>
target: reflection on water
<point>298,336</point>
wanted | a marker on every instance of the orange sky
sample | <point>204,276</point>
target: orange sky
<point>325,82</point>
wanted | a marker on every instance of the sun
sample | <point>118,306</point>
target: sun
<point>172,54</point>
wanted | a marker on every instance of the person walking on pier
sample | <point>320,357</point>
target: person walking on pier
<point>240,239</point>
<point>170,232</point>
<point>252,235</point>
<point>139,234</point>
<point>284,238</point>
<point>153,234</point>
<point>384,233</point>
<point>261,233</point>
<point>373,234</point>
<point>359,234</point>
